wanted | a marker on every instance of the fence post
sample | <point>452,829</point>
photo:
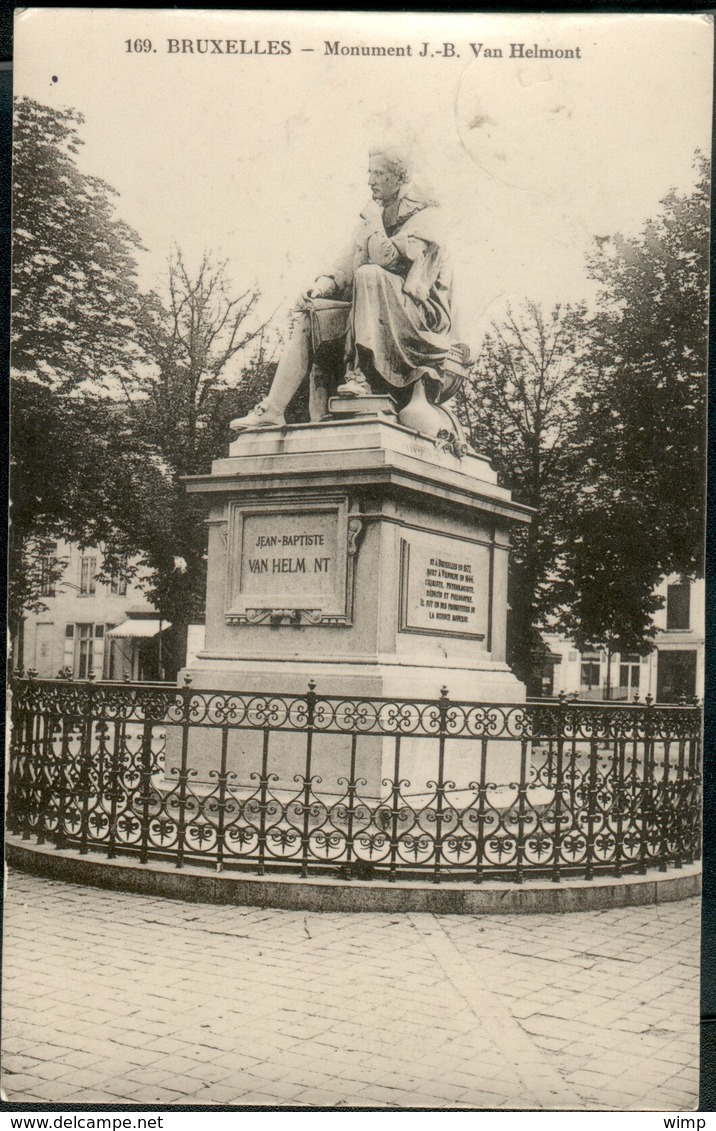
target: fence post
<point>592,792</point>
<point>647,799</point>
<point>115,780</point>
<point>443,708</point>
<point>263,798</point>
<point>14,805</point>
<point>222,802</point>
<point>145,785</point>
<point>186,694</point>
<point>481,811</point>
<point>350,815</point>
<point>664,811</point>
<point>521,813</point>
<point>310,716</point>
<point>557,838</point>
<point>84,778</point>
<point>27,754</point>
<point>394,812</point>
<point>34,760</point>
<point>690,811</point>
<point>618,800</point>
<point>62,783</point>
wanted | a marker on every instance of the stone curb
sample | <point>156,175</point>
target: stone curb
<point>291,893</point>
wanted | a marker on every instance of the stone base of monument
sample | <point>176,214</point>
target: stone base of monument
<point>358,554</point>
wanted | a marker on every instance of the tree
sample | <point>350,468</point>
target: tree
<point>518,405</point>
<point>75,297</point>
<point>76,308</point>
<point>637,513</point>
<point>76,467</point>
<point>196,335</point>
<point>116,395</point>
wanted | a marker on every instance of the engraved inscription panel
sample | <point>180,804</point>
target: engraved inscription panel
<point>286,558</point>
<point>444,587</point>
<point>289,554</point>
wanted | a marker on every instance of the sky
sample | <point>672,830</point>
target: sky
<point>262,158</point>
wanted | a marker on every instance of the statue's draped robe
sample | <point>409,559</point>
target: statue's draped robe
<point>399,284</point>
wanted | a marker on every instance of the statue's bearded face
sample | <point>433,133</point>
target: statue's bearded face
<point>383,180</point>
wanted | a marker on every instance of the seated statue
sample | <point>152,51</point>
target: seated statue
<point>387,304</point>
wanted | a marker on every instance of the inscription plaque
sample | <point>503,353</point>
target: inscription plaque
<point>291,563</point>
<point>444,587</point>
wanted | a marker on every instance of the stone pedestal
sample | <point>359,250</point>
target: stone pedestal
<point>358,554</point>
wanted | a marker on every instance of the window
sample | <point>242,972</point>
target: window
<point>48,563</point>
<point>678,605</point>
<point>84,641</point>
<point>589,675</point>
<point>117,656</point>
<point>88,569</point>
<point>676,676</point>
<point>110,665</point>
<point>68,652</point>
<point>590,669</point>
<point>118,585</point>
<point>629,670</point>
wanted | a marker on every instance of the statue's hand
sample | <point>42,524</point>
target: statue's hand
<point>323,287</point>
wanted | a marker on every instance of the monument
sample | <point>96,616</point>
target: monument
<point>366,549</point>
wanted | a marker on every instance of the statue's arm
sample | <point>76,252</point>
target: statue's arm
<point>378,247</point>
<point>382,250</point>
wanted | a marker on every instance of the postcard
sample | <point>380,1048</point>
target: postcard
<point>356,580</point>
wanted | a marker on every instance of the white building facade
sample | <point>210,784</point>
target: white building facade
<point>672,671</point>
<point>86,625</point>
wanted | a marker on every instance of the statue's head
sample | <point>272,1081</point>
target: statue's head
<point>387,171</point>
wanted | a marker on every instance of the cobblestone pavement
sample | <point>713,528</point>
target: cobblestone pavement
<point>113,997</point>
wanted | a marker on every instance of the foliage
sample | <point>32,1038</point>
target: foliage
<point>518,406</point>
<point>116,395</point>
<point>74,292</point>
<point>196,336</point>
<point>192,335</point>
<point>75,468</point>
<point>76,308</point>
<point>599,423</point>
<point>638,512</point>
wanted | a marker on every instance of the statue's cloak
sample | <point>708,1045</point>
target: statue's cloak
<point>399,284</point>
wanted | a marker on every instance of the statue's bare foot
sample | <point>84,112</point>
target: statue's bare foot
<point>355,385</point>
<point>262,416</point>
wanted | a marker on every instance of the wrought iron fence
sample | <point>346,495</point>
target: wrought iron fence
<point>355,787</point>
